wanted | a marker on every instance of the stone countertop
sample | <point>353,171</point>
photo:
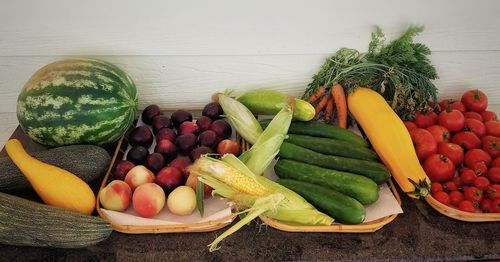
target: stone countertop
<point>421,233</point>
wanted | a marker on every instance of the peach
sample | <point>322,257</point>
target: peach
<point>116,196</point>
<point>122,169</point>
<point>228,146</point>
<point>182,201</point>
<point>139,175</point>
<point>148,200</point>
<point>191,182</point>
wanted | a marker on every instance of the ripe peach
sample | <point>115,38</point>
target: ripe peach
<point>122,169</point>
<point>148,200</point>
<point>182,201</point>
<point>191,182</point>
<point>116,196</point>
<point>228,146</point>
<point>188,127</point>
<point>181,163</point>
<point>169,178</point>
<point>139,175</point>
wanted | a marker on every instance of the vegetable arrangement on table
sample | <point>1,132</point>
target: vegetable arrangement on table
<point>176,163</point>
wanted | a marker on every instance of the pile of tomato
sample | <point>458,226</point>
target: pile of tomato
<point>458,145</point>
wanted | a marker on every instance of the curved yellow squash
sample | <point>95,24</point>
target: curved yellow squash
<point>390,139</point>
<point>54,185</point>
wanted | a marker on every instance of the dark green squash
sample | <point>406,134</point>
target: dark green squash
<point>86,161</point>
<point>27,223</point>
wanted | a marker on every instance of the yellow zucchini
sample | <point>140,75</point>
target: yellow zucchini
<point>54,185</point>
<point>390,139</point>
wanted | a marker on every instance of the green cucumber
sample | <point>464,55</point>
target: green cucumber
<point>319,129</point>
<point>373,170</point>
<point>358,187</point>
<point>342,208</point>
<point>332,147</point>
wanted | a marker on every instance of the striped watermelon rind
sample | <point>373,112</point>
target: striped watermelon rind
<point>77,101</point>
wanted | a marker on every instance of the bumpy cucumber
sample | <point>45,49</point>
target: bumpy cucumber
<point>373,170</point>
<point>359,187</point>
<point>342,208</point>
<point>332,147</point>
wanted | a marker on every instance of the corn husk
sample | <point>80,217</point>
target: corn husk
<point>275,201</point>
<point>240,117</point>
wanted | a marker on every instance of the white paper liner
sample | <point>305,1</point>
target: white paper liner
<point>215,209</point>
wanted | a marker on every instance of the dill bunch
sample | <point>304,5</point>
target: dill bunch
<point>400,71</point>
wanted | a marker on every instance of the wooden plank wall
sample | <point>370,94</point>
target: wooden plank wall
<point>180,52</point>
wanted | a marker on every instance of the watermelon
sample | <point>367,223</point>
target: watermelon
<point>77,101</point>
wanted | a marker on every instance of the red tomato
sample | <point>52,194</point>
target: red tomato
<point>492,128</point>
<point>453,120</point>
<point>439,168</point>
<point>453,151</point>
<point>457,105</point>
<point>488,116</point>
<point>442,197</point>
<point>475,126</point>
<point>436,187</point>
<point>441,134</point>
<point>467,140</point>
<point>409,125</point>
<point>466,206</point>
<point>475,100</point>
<point>424,142</point>
<point>480,168</point>
<point>476,155</point>
<point>473,115</point>
<point>456,197</point>
<point>467,176</point>
<point>493,191</point>
<point>450,186</point>
<point>482,183</point>
<point>473,194</point>
<point>496,205</point>
<point>458,181</point>
<point>486,205</point>
<point>496,162</point>
<point>423,120</point>
<point>443,105</point>
<point>491,145</point>
<point>494,174</point>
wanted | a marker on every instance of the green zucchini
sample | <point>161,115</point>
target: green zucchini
<point>342,208</point>
<point>86,161</point>
<point>373,170</point>
<point>318,129</point>
<point>27,223</point>
<point>358,187</point>
<point>332,147</point>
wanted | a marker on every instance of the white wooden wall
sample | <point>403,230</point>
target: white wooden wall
<point>180,52</point>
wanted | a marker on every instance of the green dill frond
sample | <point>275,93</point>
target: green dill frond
<point>401,71</point>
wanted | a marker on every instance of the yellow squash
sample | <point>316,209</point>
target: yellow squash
<point>390,139</point>
<point>54,185</point>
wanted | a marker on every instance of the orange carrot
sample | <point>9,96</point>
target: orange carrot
<point>321,104</point>
<point>317,94</point>
<point>329,110</point>
<point>341,104</point>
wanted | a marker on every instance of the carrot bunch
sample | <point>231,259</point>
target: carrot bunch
<point>326,100</point>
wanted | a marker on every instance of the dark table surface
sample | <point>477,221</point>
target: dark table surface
<point>421,233</point>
